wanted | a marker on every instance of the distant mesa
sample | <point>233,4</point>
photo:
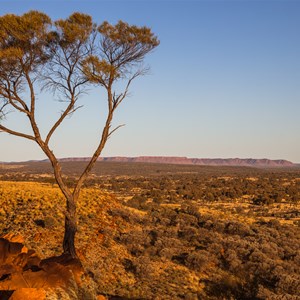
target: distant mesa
<point>247,162</point>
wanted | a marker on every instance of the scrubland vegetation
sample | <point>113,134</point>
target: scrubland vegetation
<point>167,232</point>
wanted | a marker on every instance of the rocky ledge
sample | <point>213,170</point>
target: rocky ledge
<point>23,275</point>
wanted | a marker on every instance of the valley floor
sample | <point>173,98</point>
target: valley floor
<point>216,234</point>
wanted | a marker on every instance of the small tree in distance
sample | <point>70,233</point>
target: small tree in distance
<point>65,57</point>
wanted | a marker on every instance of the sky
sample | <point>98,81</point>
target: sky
<point>224,83</point>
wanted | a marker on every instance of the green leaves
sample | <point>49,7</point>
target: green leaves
<point>24,40</point>
<point>124,34</point>
<point>122,44</point>
<point>99,71</point>
<point>26,31</point>
<point>120,50</point>
<point>77,28</point>
<point>106,53</point>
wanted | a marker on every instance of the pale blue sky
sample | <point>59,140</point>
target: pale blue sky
<point>224,82</point>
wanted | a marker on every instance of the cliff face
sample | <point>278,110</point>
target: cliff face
<point>194,161</point>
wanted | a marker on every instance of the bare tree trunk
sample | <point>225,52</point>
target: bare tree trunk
<point>70,228</point>
<point>71,204</point>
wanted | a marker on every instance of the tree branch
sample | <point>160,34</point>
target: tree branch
<point>12,96</point>
<point>117,100</point>
<point>104,137</point>
<point>20,109</point>
<point>115,129</point>
<point>68,110</point>
<point>16,133</point>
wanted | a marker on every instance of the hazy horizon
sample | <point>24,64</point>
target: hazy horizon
<point>156,156</point>
<point>224,83</point>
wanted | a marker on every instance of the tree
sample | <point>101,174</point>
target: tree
<point>64,57</point>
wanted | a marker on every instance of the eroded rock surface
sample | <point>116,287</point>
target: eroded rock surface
<point>23,275</point>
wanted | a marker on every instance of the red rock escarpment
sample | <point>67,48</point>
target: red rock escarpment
<point>247,162</point>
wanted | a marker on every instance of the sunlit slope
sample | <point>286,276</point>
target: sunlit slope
<point>36,211</point>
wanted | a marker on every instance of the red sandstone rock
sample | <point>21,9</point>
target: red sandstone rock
<point>28,294</point>
<point>23,272</point>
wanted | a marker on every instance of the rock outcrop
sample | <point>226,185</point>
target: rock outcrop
<point>23,275</point>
